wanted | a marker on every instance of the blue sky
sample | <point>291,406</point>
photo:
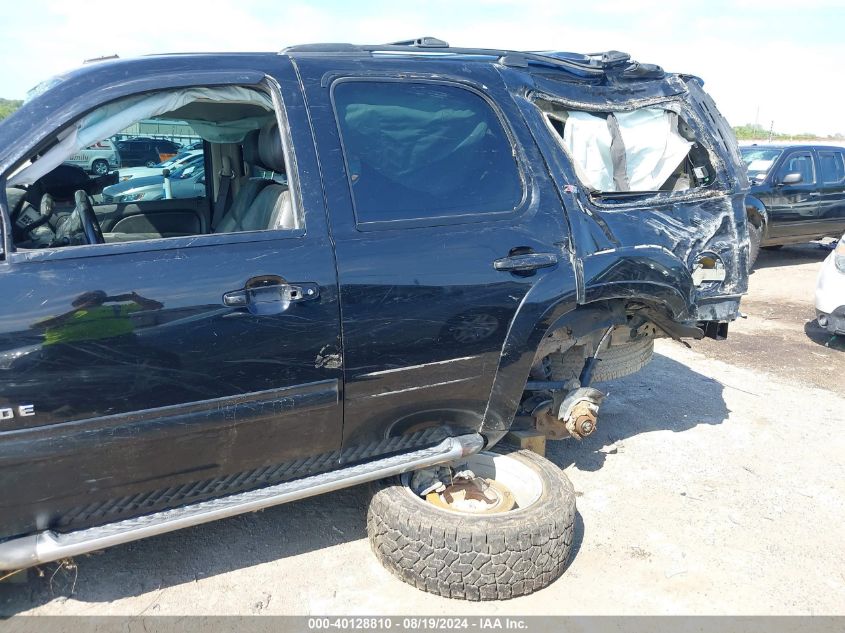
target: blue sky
<point>762,60</point>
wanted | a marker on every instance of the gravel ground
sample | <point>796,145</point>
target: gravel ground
<point>715,484</point>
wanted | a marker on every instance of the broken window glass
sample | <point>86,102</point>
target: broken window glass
<point>648,149</point>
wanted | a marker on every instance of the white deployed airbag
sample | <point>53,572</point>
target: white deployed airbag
<point>653,147</point>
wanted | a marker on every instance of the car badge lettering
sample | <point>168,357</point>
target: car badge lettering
<point>22,411</point>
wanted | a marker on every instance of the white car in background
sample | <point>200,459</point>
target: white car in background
<point>830,291</point>
<point>171,163</point>
<point>99,158</point>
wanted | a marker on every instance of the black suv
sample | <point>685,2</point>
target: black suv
<point>148,152</point>
<point>797,193</point>
<point>403,252</point>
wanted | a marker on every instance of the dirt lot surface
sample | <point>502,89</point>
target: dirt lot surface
<point>714,484</point>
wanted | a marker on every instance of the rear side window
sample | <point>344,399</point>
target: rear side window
<point>832,167</point>
<point>647,150</point>
<point>424,150</point>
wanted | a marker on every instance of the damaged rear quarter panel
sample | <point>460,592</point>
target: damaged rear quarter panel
<point>645,246</point>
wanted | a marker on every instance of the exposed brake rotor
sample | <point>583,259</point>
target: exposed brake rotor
<point>473,496</point>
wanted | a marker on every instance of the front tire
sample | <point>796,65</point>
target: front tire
<point>755,237</point>
<point>510,550</point>
<point>100,167</point>
<point>614,362</point>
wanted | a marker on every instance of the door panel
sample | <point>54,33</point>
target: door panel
<point>141,379</point>
<point>167,223</point>
<point>832,198</point>
<point>169,215</point>
<point>794,209</point>
<point>425,311</point>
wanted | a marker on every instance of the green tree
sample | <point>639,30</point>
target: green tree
<point>7,106</point>
<point>752,132</point>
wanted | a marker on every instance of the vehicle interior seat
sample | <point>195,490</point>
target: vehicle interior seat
<point>262,203</point>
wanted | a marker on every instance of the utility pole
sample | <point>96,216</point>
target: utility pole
<point>771,130</point>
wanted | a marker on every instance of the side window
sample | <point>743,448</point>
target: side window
<point>646,150</point>
<point>800,163</point>
<point>424,150</point>
<point>137,169</point>
<point>832,167</point>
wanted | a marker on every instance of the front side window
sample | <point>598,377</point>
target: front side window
<point>137,169</point>
<point>798,163</point>
<point>424,150</point>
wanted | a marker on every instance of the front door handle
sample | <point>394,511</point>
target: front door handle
<point>525,262</point>
<point>270,295</point>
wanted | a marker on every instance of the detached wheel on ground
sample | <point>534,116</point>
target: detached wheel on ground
<point>507,535</point>
<point>614,362</point>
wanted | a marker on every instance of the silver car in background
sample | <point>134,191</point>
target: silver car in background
<point>99,158</point>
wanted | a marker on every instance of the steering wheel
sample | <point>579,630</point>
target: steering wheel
<point>87,218</point>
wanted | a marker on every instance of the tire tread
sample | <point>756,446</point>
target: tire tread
<point>475,558</point>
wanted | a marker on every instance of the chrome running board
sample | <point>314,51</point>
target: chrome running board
<point>43,547</point>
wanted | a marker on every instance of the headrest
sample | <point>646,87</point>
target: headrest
<point>250,148</point>
<point>270,148</point>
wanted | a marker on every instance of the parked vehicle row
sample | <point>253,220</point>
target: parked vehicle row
<point>107,155</point>
<point>177,161</point>
<point>185,179</point>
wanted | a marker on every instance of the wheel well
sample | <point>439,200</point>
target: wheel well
<point>756,213</point>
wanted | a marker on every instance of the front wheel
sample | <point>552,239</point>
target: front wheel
<point>507,533</point>
<point>100,167</point>
<point>755,237</point>
<point>150,163</point>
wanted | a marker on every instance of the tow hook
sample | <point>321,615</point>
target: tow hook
<point>579,411</point>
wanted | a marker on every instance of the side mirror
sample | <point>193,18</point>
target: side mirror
<point>165,173</point>
<point>792,179</point>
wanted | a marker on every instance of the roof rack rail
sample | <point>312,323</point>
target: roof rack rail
<point>592,65</point>
<point>422,42</point>
<point>104,58</point>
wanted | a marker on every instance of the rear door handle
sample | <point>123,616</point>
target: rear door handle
<point>525,262</point>
<point>270,295</point>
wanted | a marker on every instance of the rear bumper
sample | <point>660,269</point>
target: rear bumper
<point>722,308</point>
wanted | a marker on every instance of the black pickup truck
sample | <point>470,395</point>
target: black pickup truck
<point>797,194</point>
<point>403,252</point>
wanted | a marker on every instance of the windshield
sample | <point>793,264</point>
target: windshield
<point>759,160</point>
